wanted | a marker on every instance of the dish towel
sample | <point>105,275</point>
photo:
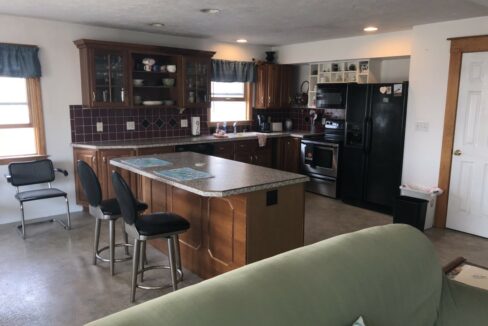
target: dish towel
<point>262,140</point>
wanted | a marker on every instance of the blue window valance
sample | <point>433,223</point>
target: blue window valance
<point>19,61</point>
<point>233,71</point>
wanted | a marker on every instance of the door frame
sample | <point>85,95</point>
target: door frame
<point>459,46</point>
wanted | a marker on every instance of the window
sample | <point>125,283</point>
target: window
<point>21,123</point>
<point>230,102</point>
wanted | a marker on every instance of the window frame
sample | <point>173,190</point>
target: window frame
<point>36,121</point>
<point>248,93</point>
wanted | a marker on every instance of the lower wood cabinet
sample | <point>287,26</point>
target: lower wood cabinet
<point>248,151</point>
<point>288,154</point>
<point>224,150</point>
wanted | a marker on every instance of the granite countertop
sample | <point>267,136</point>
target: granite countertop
<point>228,177</point>
<point>144,143</point>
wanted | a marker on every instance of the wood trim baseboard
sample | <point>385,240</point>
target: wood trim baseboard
<point>458,47</point>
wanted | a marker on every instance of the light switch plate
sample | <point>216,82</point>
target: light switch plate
<point>131,125</point>
<point>422,126</point>
<point>99,126</point>
<point>184,123</point>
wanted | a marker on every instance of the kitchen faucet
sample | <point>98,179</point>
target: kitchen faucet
<point>235,127</point>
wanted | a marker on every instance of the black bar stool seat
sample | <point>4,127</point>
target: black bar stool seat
<point>160,223</point>
<point>148,227</point>
<point>111,207</point>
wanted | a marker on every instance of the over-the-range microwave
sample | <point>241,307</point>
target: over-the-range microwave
<point>331,96</point>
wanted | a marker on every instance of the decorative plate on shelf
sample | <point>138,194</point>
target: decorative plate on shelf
<point>152,102</point>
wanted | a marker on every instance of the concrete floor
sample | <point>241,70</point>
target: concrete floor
<point>48,279</point>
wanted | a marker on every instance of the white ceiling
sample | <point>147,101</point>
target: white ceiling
<point>267,22</point>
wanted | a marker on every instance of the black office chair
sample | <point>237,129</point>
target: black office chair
<point>33,173</point>
<point>103,210</point>
<point>148,227</point>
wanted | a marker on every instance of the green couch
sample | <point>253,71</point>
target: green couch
<point>390,275</point>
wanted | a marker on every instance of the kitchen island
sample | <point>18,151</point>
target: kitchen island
<point>239,213</point>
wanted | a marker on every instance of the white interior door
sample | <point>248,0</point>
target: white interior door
<point>468,195</point>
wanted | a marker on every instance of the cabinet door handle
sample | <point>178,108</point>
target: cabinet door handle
<point>93,159</point>
<point>104,159</point>
<point>94,96</point>
<point>262,99</point>
<point>269,99</point>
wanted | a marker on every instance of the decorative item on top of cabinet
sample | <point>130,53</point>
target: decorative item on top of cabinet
<point>273,86</point>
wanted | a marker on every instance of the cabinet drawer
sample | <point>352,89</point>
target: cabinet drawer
<point>245,146</point>
<point>223,148</point>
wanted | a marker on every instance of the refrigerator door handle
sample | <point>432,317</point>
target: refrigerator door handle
<point>367,140</point>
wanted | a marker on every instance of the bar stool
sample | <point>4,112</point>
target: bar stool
<point>103,210</point>
<point>148,227</point>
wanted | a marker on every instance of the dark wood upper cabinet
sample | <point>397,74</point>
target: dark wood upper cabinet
<point>196,82</point>
<point>108,71</point>
<point>273,86</point>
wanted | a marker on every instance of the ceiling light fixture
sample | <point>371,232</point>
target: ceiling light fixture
<point>211,11</point>
<point>241,40</point>
<point>370,29</point>
<point>158,25</point>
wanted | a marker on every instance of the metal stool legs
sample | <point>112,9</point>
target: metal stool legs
<point>22,220</point>
<point>139,258</point>
<point>111,246</point>
<point>98,223</point>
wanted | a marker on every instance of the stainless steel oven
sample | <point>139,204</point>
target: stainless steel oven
<point>320,161</point>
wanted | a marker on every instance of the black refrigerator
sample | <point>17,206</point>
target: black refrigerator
<point>373,148</point>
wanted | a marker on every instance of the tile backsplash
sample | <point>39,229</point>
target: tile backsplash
<point>160,123</point>
<point>148,123</point>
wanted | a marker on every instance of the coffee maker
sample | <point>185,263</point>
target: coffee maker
<point>263,124</point>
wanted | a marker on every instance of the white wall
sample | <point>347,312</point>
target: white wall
<point>371,46</point>
<point>394,70</point>
<point>428,48</point>
<point>61,87</point>
<point>427,95</point>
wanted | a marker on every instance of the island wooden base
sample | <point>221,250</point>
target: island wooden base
<point>229,232</point>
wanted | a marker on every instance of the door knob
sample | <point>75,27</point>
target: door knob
<point>458,152</point>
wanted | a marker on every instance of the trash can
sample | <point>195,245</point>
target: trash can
<point>411,211</point>
<point>426,219</point>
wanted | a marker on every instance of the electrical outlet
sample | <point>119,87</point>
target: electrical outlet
<point>422,126</point>
<point>184,123</point>
<point>99,126</point>
<point>131,125</point>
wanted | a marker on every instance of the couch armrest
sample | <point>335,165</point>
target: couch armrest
<point>462,304</point>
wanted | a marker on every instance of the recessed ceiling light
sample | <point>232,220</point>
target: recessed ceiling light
<point>241,40</point>
<point>158,25</point>
<point>210,11</point>
<point>370,29</point>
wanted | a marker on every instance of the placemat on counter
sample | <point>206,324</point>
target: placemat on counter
<point>146,162</point>
<point>183,174</point>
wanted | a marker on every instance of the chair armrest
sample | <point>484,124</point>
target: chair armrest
<point>64,172</point>
<point>462,304</point>
<point>8,178</point>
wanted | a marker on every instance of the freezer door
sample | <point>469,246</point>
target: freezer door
<point>355,115</point>
<point>384,143</point>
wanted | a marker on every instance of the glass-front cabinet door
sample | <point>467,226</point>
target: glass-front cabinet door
<point>196,81</point>
<point>109,86</point>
